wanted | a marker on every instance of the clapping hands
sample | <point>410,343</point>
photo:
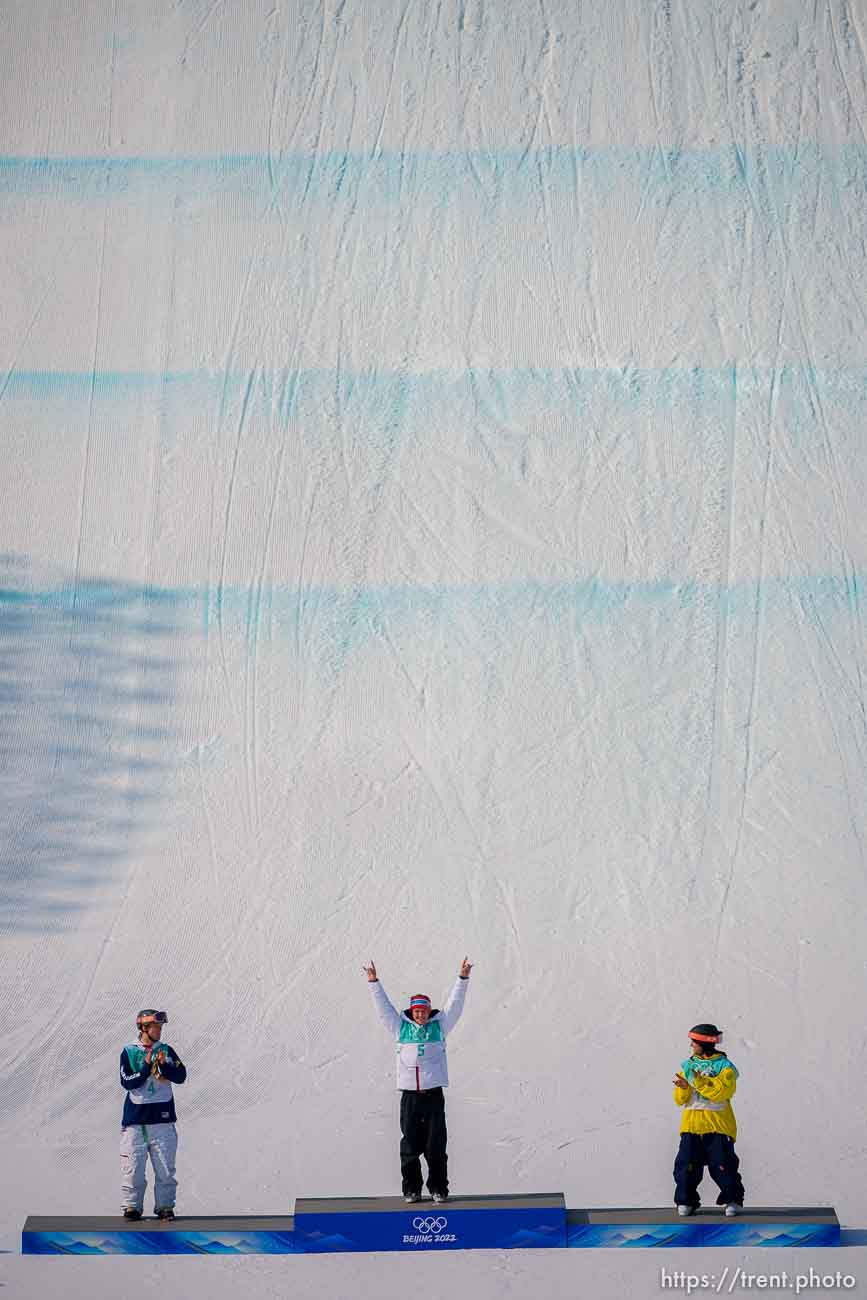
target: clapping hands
<point>155,1058</point>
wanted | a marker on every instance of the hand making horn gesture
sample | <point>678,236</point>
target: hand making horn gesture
<point>466,967</point>
<point>370,972</point>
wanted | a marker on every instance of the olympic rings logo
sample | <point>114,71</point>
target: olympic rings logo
<point>429,1225</point>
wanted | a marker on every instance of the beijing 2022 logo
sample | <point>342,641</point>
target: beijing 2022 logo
<point>429,1231</point>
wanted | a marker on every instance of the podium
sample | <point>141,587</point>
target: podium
<point>461,1223</point>
<point>377,1223</point>
<point>619,1228</point>
<point>211,1235</point>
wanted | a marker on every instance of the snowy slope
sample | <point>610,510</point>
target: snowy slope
<point>431,521</point>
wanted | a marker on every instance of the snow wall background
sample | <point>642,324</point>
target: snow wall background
<point>432,509</point>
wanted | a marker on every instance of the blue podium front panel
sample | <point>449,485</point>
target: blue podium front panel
<point>708,1227</point>
<point>262,1235</point>
<point>464,1223</point>
<point>388,1223</point>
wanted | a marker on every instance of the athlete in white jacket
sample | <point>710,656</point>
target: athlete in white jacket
<point>422,1072</point>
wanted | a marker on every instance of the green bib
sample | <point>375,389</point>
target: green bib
<point>410,1032</point>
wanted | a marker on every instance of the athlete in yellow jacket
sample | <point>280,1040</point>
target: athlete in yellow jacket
<point>704,1088</point>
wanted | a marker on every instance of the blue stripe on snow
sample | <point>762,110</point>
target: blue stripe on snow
<point>413,401</point>
<point>495,176</point>
<point>591,597</point>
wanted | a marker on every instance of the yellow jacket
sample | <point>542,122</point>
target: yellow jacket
<point>706,1100</point>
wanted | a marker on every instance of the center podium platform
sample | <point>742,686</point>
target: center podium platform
<point>461,1223</point>
<point>387,1223</point>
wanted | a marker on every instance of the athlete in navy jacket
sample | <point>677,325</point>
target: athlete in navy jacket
<point>148,1068</point>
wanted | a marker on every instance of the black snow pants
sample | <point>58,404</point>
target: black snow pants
<point>423,1133</point>
<point>717,1152</point>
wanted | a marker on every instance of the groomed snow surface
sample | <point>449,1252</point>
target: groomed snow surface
<point>432,521</point>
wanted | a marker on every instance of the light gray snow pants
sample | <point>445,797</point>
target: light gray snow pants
<point>160,1142</point>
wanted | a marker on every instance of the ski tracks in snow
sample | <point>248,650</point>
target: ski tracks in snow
<point>495,660</point>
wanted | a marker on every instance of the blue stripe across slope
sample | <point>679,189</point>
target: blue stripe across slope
<point>590,596</point>
<point>443,398</point>
<point>452,175</point>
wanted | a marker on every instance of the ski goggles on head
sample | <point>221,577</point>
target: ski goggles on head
<point>706,1038</point>
<point>152,1017</point>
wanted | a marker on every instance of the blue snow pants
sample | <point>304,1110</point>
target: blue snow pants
<point>716,1152</point>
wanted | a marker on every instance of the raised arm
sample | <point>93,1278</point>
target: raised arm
<point>386,1012</point>
<point>451,1012</point>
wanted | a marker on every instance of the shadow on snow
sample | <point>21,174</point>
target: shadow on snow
<point>88,687</point>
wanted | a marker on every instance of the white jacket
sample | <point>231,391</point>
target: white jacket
<point>421,1049</point>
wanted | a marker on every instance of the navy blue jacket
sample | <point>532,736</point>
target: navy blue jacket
<point>149,1101</point>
